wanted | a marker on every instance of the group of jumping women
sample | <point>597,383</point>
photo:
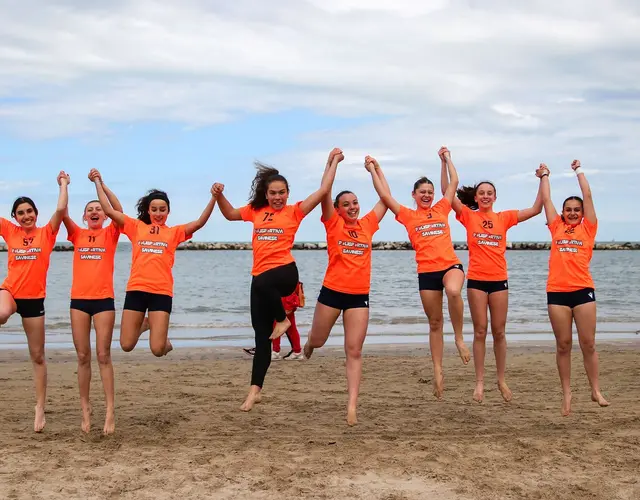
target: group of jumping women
<point>345,288</point>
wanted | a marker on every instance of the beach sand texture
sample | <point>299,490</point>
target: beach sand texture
<point>179,433</point>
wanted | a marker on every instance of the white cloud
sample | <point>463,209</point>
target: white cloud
<point>505,85</point>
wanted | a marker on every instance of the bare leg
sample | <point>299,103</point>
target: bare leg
<point>7,306</point>
<point>585,318</point>
<point>561,319</point>
<point>81,332</point>
<point>130,329</point>
<point>453,281</point>
<point>498,307</point>
<point>432,305</point>
<point>104,323</point>
<point>34,328</point>
<point>324,317</point>
<point>159,333</point>
<point>356,322</point>
<point>478,302</point>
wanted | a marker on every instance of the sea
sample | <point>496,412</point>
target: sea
<point>211,298</point>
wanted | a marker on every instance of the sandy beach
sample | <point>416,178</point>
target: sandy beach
<point>179,433</point>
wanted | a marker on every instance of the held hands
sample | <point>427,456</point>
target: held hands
<point>370,163</point>
<point>336,155</point>
<point>63,178</point>
<point>217,189</point>
<point>444,154</point>
<point>94,175</point>
<point>542,170</point>
<point>575,164</point>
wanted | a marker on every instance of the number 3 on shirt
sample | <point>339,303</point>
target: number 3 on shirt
<point>487,224</point>
<point>154,230</point>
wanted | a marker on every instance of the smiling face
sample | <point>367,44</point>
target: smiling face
<point>26,215</point>
<point>485,196</point>
<point>348,207</point>
<point>158,212</point>
<point>572,211</point>
<point>94,216</point>
<point>423,195</point>
<point>277,195</point>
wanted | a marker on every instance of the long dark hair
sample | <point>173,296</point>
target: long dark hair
<point>143,204</point>
<point>20,201</point>
<point>264,176</point>
<point>467,194</point>
<point>336,202</point>
<point>420,182</point>
<point>570,198</point>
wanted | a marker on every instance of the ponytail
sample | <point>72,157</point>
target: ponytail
<point>264,176</point>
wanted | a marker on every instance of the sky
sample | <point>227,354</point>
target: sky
<point>179,95</point>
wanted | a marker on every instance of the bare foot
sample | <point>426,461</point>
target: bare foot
<point>253,397</point>
<point>145,325</point>
<point>87,411</point>
<point>566,405</point>
<point>308,350</point>
<point>168,347</point>
<point>598,398</point>
<point>109,423</point>
<point>505,391</point>
<point>280,329</point>
<point>438,385</point>
<point>39,421</point>
<point>352,418</point>
<point>478,393</point>
<point>463,351</point>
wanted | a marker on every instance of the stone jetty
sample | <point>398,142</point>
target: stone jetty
<point>377,245</point>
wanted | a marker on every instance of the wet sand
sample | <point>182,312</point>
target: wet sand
<point>179,433</point>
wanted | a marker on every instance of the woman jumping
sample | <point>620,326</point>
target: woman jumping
<point>274,271</point>
<point>570,289</point>
<point>487,278</point>
<point>150,286</point>
<point>347,281</point>
<point>438,266</point>
<point>24,289</point>
<point>92,298</point>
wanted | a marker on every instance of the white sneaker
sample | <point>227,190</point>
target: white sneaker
<point>275,356</point>
<point>295,356</point>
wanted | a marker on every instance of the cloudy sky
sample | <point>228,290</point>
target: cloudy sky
<point>177,95</point>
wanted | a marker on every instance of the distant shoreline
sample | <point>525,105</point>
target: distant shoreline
<point>377,245</point>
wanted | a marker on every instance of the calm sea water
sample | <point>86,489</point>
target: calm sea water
<point>211,302</point>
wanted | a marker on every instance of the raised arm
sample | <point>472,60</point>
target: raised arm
<point>327,201</point>
<point>535,209</point>
<point>226,208</point>
<point>449,186</point>
<point>587,199</point>
<point>115,215</point>
<point>63,200</point>
<point>326,183</point>
<point>113,199</point>
<point>545,189</point>
<point>71,226</point>
<point>199,223</point>
<point>381,185</point>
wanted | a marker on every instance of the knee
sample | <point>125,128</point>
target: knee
<point>353,352</point>
<point>588,347</point>
<point>37,357</point>
<point>4,316</point>
<point>498,334</point>
<point>157,351</point>
<point>84,358</point>
<point>480,332</point>
<point>453,294</point>
<point>435,323</point>
<point>563,347</point>
<point>104,357</point>
<point>127,346</point>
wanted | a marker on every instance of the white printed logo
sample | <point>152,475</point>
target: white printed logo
<point>590,295</point>
<point>366,302</point>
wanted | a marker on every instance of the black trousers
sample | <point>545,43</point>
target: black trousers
<point>267,290</point>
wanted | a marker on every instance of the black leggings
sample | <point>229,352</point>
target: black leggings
<point>267,290</point>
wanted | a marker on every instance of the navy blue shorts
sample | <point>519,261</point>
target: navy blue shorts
<point>571,299</point>
<point>488,286</point>
<point>435,280</point>
<point>136,300</point>
<point>93,306</point>
<point>341,300</point>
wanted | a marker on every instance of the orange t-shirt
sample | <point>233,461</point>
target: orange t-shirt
<point>93,255</point>
<point>430,236</point>
<point>487,242</point>
<point>571,252</point>
<point>273,235</point>
<point>154,251</point>
<point>349,249</point>
<point>28,259</point>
